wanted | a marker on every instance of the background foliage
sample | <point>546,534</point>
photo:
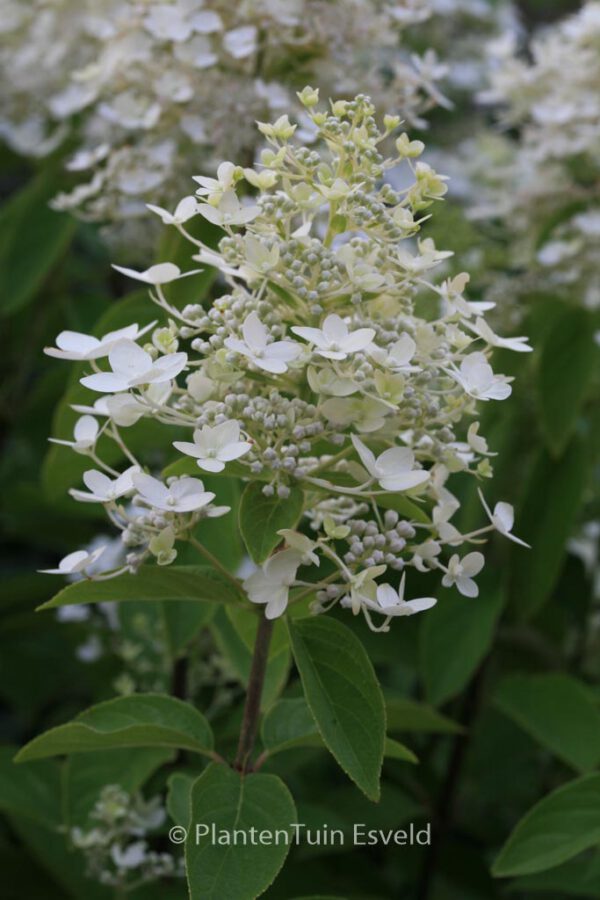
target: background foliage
<point>497,698</point>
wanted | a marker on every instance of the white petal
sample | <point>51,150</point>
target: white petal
<point>358,340</point>
<point>505,515</point>
<point>367,457</point>
<point>254,332</point>
<point>387,596</point>
<point>277,604</point>
<point>403,481</point>
<point>472,563</point>
<point>211,465</point>
<point>189,449</point>
<point>126,358</point>
<point>105,382</point>
<point>150,488</point>
<point>420,604</point>
<point>395,460</point>
<point>334,328</point>
<point>234,451</point>
<point>283,350</point>
<point>86,429</point>
<point>467,587</point>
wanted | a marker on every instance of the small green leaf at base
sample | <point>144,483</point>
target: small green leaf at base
<point>228,802</point>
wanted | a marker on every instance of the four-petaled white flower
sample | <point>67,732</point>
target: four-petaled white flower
<point>186,209</point>
<point>103,489</point>
<point>503,519</point>
<point>75,563</point>
<point>161,273</point>
<point>214,188</point>
<point>334,340</point>
<point>229,211</point>
<point>131,367</point>
<point>74,345</point>
<point>393,469</point>
<point>181,496</point>
<point>271,583</point>
<point>213,447</point>
<point>477,379</point>
<point>461,571</point>
<point>272,357</point>
<point>392,602</point>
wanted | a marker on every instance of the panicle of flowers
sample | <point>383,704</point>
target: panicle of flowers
<point>460,31</point>
<point>334,364</point>
<point>117,844</point>
<point>140,86</point>
<point>544,186</point>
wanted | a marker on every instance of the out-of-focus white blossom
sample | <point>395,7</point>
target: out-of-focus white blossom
<point>542,182</point>
<point>142,87</point>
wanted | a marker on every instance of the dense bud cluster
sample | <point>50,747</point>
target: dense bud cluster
<point>140,86</point>
<point>334,367</point>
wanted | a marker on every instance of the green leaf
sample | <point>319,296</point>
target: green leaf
<point>179,797</point>
<point>32,791</point>
<point>395,750</point>
<point>344,696</point>
<point>85,775</point>
<point>289,724</point>
<point>404,714</point>
<point>34,237</point>
<point>227,800</point>
<point>151,583</point>
<point>576,878</point>
<point>558,711</point>
<point>562,824</point>
<point>455,637</point>
<point>262,517</point>
<point>566,367</point>
<point>183,621</point>
<point>140,720</point>
<point>548,513</point>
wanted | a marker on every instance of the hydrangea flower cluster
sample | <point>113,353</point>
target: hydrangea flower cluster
<point>140,85</point>
<point>461,30</point>
<point>116,846</point>
<point>545,186</point>
<point>334,364</point>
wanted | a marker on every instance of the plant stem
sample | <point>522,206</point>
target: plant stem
<point>445,807</point>
<point>255,687</point>
<point>215,563</point>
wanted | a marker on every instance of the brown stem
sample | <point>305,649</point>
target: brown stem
<point>443,814</point>
<point>255,687</point>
